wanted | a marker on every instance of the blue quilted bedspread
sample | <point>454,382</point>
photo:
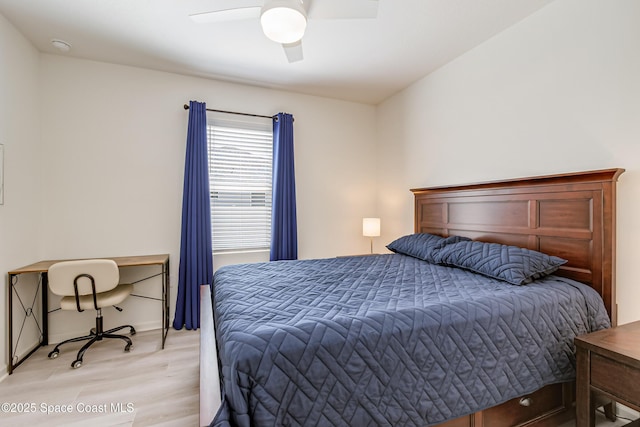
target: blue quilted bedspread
<point>387,340</point>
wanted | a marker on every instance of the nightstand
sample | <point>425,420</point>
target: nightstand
<point>608,365</point>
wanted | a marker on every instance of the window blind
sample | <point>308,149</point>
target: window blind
<point>240,162</point>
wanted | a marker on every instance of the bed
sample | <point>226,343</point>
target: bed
<point>380,340</point>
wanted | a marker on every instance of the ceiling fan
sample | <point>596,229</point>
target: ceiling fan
<point>285,21</point>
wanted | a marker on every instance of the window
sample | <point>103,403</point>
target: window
<point>240,158</point>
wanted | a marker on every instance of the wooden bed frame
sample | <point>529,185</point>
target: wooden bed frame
<point>570,215</point>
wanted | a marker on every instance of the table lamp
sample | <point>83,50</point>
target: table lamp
<point>371,228</point>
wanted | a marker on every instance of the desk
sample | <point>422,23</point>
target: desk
<point>42,267</point>
<point>608,364</point>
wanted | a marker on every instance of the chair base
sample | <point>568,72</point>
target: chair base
<point>96,334</point>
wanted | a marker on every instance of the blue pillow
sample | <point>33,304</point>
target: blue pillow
<point>421,245</point>
<point>512,264</point>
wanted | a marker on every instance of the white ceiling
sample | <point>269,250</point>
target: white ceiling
<point>357,60</point>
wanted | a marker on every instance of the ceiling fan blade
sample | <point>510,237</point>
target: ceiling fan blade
<point>293,51</point>
<point>342,9</point>
<point>224,15</point>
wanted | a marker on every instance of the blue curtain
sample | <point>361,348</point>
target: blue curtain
<point>196,258</point>
<point>284,228</point>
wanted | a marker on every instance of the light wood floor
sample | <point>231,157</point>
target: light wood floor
<point>601,421</point>
<point>154,387</point>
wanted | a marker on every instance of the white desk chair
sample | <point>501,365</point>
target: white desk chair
<point>89,284</point>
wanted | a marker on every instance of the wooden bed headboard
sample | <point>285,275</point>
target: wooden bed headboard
<point>572,216</point>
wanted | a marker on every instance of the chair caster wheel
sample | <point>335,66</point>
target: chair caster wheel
<point>54,354</point>
<point>76,364</point>
<point>127,348</point>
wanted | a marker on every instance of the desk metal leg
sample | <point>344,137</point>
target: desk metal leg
<point>165,301</point>
<point>45,308</point>
<point>14,362</point>
<point>10,309</point>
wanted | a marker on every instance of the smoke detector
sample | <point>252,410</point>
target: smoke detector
<point>61,45</point>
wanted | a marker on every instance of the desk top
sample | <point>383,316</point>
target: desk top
<point>123,261</point>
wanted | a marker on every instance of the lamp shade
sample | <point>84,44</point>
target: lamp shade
<point>371,227</point>
<point>283,21</point>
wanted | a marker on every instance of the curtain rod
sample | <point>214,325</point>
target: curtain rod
<point>186,107</point>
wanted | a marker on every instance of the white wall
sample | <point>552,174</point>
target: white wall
<point>113,141</point>
<point>20,240</point>
<point>94,151</point>
<point>558,92</point>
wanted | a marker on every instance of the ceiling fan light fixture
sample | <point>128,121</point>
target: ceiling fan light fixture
<point>283,21</point>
